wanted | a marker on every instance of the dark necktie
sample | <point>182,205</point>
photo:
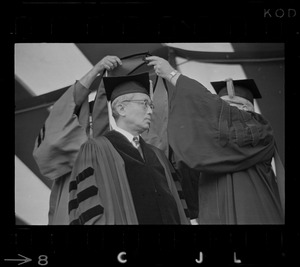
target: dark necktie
<point>137,145</point>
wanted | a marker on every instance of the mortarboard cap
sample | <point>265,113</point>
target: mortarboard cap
<point>117,86</point>
<point>243,88</point>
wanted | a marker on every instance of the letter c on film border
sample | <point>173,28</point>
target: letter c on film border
<point>121,257</point>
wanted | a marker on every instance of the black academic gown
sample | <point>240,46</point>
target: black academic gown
<point>153,200</point>
<point>232,149</point>
<point>90,183</point>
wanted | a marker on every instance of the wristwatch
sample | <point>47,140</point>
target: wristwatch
<point>173,73</point>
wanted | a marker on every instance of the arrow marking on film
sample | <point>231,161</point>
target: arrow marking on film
<point>24,260</point>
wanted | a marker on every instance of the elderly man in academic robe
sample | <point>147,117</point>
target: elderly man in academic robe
<point>221,136</point>
<point>115,178</point>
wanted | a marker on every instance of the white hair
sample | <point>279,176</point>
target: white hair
<point>119,101</point>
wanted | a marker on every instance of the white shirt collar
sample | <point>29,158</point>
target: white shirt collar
<point>128,135</point>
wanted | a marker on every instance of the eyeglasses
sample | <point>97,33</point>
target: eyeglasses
<point>145,102</point>
<point>234,102</point>
<point>240,105</point>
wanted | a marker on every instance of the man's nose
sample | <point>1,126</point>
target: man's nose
<point>149,110</point>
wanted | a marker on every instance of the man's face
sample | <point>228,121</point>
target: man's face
<point>137,112</point>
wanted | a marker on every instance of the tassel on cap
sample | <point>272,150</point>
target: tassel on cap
<point>230,88</point>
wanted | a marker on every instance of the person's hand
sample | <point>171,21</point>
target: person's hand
<point>194,222</point>
<point>161,66</point>
<point>108,63</point>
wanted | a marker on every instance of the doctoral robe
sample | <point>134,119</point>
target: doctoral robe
<point>232,149</point>
<point>111,184</point>
<point>56,149</point>
<point>64,153</point>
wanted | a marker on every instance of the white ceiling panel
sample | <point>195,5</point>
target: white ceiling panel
<point>203,47</point>
<point>44,67</point>
<point>31,196</point>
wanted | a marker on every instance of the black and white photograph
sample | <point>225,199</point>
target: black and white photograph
<point>210,117</point>
<point>151,133</point>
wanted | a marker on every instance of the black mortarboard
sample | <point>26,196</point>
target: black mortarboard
<point>117,86</point>
<point>243,88</point>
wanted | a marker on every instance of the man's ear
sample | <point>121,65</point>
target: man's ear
<point>121,109</point>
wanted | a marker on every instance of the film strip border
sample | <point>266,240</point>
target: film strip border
<point>152,246</point>
<point>147,21</point>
